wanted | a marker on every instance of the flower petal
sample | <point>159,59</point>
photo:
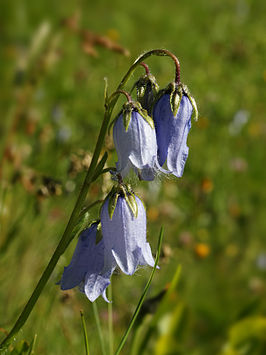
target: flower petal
<point>178,149</point>
<point>127,262</point>
<point>172,132</point>
<point>87,258</point>
<point>146,257</point>
<point>162,115</point>
<point>137,145</point>
<point>125,237</point>
<point>95,285</point>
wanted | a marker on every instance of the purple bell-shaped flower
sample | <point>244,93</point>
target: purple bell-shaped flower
<point>123,220</point>
<point>135,142</point>
<point>172,118</point>
<point>85,268</point>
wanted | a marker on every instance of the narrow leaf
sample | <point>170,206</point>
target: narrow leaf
<point>99,328</point>
<point>105,90</point>
<point>141,300</point>
<point>84,333</point>
<point>100,166</point>
<point>112,204</point>
<point>32,345</point>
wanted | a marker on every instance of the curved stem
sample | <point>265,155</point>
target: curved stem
<point>145,66</point>
<point>118,92</point>
<point>111,101</point>
<point>157,52</point>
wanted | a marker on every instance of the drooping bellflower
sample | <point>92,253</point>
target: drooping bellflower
<point>135,142</point>
<point>85,268</point>
<point>172,118</point>
<point>122,244</point>
<point>123,220</point>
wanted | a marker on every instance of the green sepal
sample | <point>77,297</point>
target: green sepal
<point>175,99</point>
<point>140,91</point>
<point>143,84</point>
<point>195,113</point>
<point>112,204</point>
<point>144,114</point>
<point>132,203</point>
<point>127,113</point>
<point>99,235</point>
<point>141,199</point>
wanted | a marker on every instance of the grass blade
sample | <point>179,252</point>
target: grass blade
<point>110,320</point>
<point>87,351</point>
<point>124,338</point>
<point>99,328</point>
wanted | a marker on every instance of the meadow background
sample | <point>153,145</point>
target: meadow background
<point>54,57</point>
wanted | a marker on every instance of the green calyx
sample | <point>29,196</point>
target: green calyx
<point>112,203</point>
<point>176,92</point>
<point>126,192</point>
<point>127,110</point>
<point>144,114</point>
<point>195,113</point>
<point>144,84</point>
<point>127,114</point>
<point>99,235</point>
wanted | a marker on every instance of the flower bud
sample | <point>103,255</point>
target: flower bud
<point>147,89</point>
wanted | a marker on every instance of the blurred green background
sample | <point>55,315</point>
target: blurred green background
<point>54,57</point>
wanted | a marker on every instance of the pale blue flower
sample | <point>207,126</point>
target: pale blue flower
<point>124,236</point>
<point>123,244</point>
<point>136,146</point>
<point>172,131</point>
<point>85,268</point>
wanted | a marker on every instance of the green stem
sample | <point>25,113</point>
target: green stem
<point>157,52</point>
<point>67,235</point>
<point>87,351</point>
<point>86,209</point>
<point>141,300</point>
<point>110,320</point>
<point>99,328</point>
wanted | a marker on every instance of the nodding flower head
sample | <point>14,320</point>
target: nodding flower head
<point>86,265</point>
<point>172,117</point>
<point>135,142</point>
<point>123,220</point>
<point>118,241</point>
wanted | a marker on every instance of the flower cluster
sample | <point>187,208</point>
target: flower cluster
<point>145,143</point>
<point>150,137</point>
<point>122,243</point>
